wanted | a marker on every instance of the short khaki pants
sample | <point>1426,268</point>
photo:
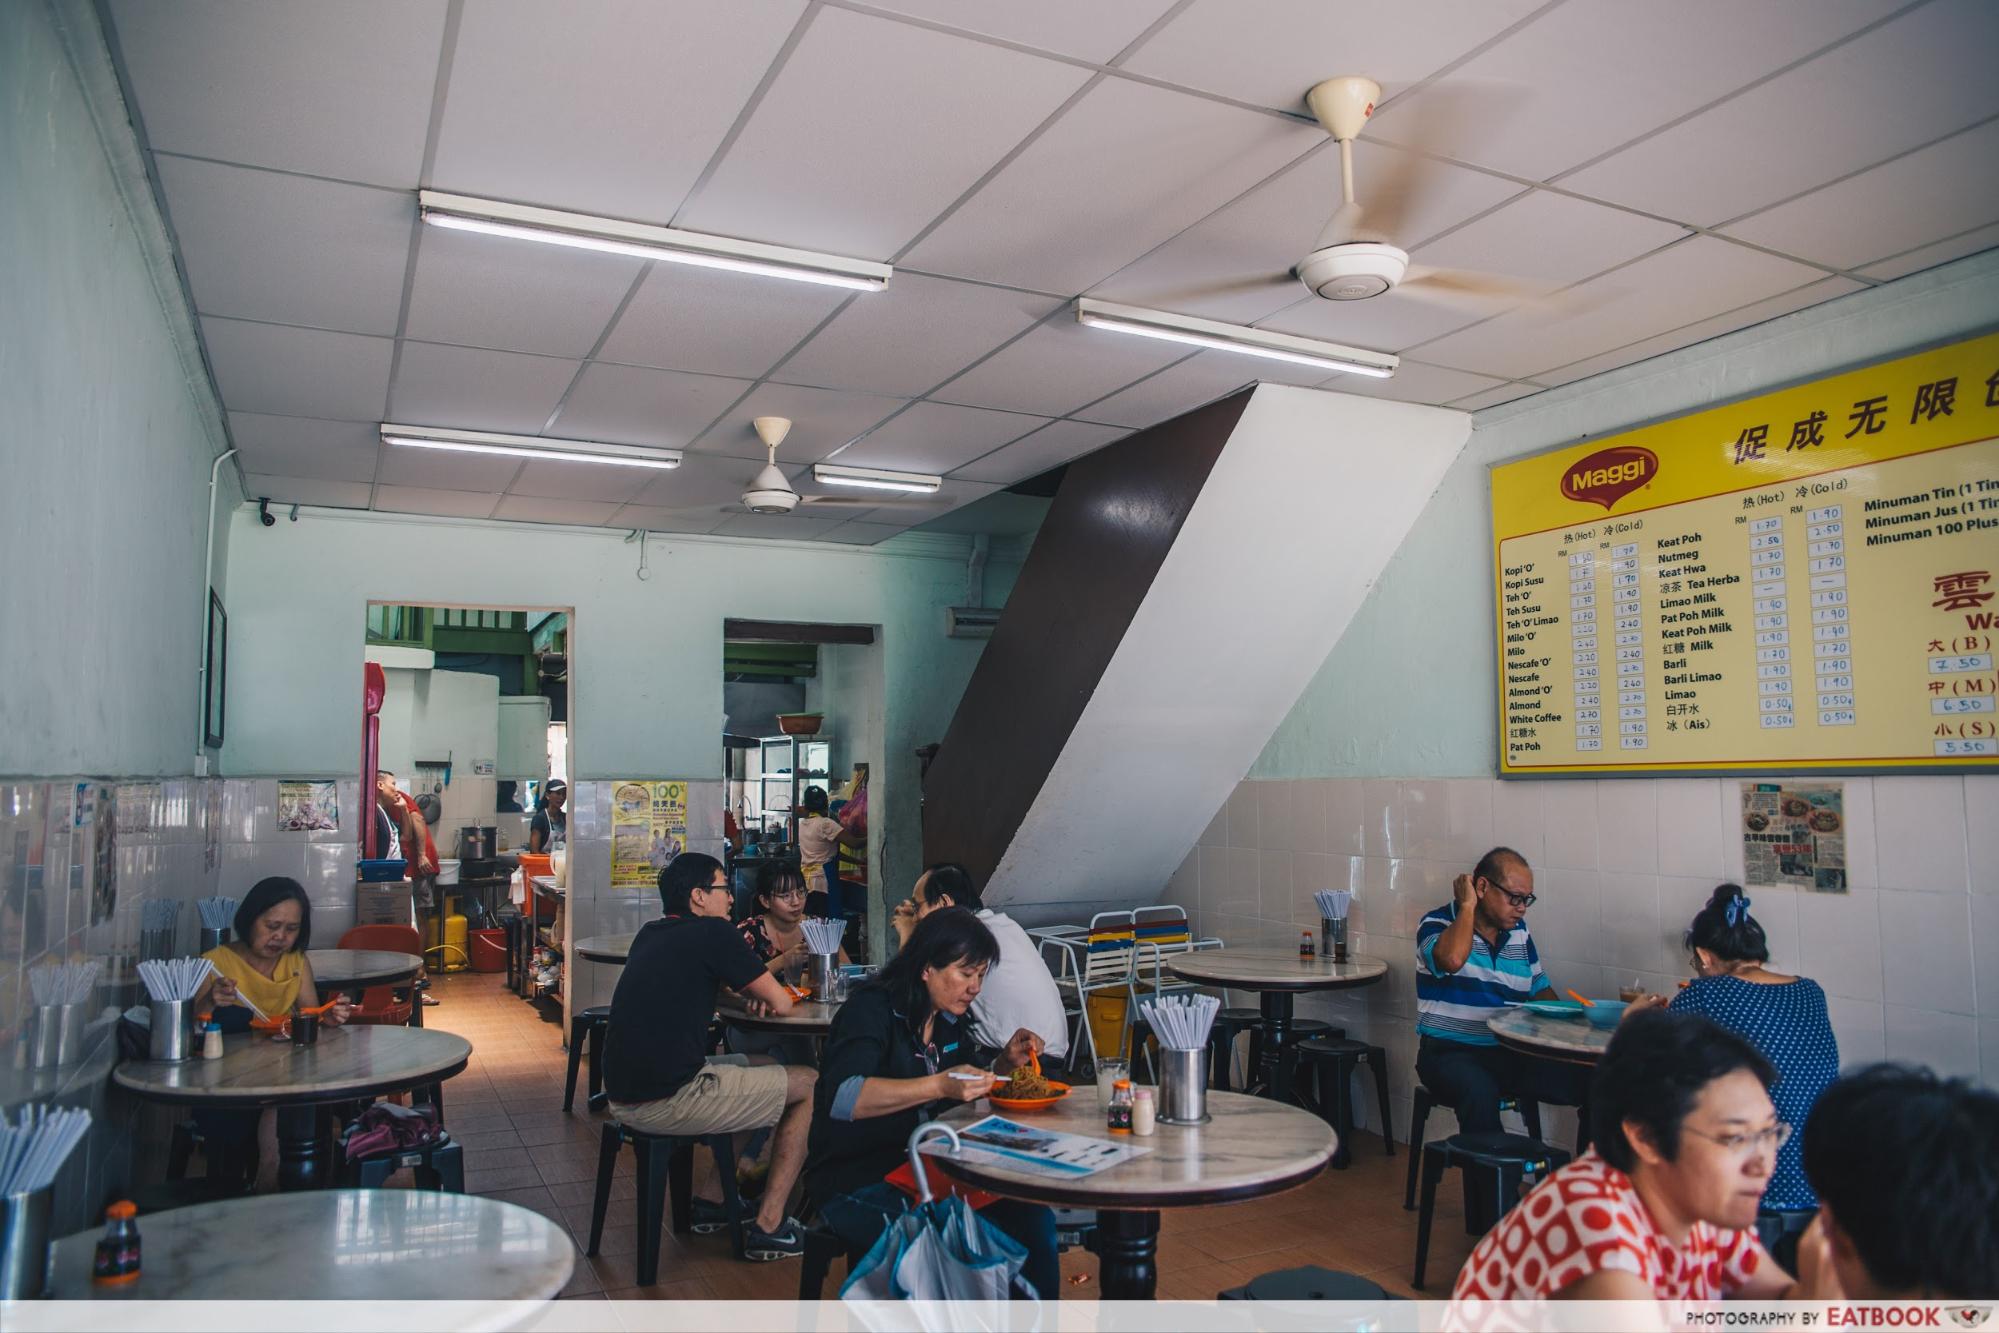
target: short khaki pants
<point>721,1099</point>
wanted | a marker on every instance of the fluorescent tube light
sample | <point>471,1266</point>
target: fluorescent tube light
<point>613,236</point>
<point>1234,338</point>
<point>528,446</point>
<point>876,479</point>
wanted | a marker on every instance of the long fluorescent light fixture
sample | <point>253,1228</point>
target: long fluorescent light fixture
<point>1234,338</point>
<point>581,231</point>
<point>875,479</point>
<point>529,446</point>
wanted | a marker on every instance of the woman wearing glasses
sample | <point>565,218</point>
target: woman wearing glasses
<point>1664,1206</point>
<point>1784,1018</point>
<point>775,934</point>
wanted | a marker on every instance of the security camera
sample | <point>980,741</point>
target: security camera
<point>264,514</point>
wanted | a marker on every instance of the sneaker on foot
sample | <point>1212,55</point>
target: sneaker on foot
<point>787,1242</point>
<point>708,1217</point>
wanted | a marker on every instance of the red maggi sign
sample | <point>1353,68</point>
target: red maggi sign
<point>1608,475</point>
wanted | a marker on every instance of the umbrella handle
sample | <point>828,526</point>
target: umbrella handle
<point>916,1158</point>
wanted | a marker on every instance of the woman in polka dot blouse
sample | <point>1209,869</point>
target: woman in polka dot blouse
<point>1783,1017</point>
<point>1664,1206</point>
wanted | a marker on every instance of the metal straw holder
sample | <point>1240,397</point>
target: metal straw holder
<point>1333,938</point>
<point>24,1243</point>
<point>58,1035</point>
<point>213,937</point>
<point>819,974</point>
<point>173,1030</point>
<point>1183,1087</point>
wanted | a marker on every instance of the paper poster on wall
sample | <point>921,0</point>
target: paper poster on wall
<point>1807,580</point>
<point>1794,836</point>
<point>136,802</point>
<point>648,829</point>
<point>308,807</point>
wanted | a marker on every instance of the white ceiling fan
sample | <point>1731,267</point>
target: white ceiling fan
<point>770,492</point>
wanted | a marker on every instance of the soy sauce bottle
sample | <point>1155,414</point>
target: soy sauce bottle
<point>1119,1114</point>
<point>117,1259</point>
<point>1306,949</point>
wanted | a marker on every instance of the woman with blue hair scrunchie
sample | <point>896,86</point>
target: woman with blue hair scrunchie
<point>1784,1017</point>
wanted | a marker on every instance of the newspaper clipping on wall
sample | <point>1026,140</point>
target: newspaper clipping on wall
<point>1794,836</point>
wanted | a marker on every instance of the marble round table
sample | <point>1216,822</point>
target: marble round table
<point>1573,1040</point>
<point>354,970</point>
<point>604,948</point>
<point>347,1063</point>
<point>1277,976</point>
<point>1250,1147</point>
<point>354,1245</point>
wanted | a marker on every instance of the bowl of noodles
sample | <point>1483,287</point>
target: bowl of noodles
<point>1027,1090</point>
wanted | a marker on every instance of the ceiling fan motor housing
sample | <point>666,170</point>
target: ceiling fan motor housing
<point>1353,271</point>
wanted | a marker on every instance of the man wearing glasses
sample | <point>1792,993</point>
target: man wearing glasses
<point>1473,958</point>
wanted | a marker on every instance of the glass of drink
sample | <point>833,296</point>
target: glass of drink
<point>1108,1074</point>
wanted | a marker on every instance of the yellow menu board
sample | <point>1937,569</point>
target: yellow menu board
<point>1803,581</point>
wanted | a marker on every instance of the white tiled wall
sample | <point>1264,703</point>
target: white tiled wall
<point>1909,958</point>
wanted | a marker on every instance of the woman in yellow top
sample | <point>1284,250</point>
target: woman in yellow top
<point>264,970</point>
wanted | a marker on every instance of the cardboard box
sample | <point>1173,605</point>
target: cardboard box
<point>383,904</point>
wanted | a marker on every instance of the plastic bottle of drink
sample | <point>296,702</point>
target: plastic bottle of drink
<point>1306,949</point>
<point>117,1259</point>
<point>1119,1115</point>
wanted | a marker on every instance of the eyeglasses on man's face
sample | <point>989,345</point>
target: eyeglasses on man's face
<point>1521,901</point>
<point>1744,1143</point>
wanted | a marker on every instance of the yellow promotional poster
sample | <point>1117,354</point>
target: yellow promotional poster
<point>648,829</point>
<point>1807,580</point>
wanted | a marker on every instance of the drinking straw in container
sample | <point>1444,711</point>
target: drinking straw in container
<point>34,1147</point>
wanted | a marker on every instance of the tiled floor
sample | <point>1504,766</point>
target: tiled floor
<point>519,1146</point>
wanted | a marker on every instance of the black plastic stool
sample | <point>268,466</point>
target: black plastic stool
<point>1419,1111</point>
<point>663,1159</point>
<point>1310,1283</point>
<point>587,1025</point>
<point>1346,1058</point>
<point>822,1247</point>
<point>441,1167</point>
<point>1514,1161</point>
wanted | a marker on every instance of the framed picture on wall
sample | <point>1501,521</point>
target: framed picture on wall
<point>215,679</point>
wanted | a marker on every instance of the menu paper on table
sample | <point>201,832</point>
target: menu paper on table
<point>1805,580</point>
<point>999,1141</point>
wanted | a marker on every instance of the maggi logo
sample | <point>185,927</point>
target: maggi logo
<point>1608,475</point>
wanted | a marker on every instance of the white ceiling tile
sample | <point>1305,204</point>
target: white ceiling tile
<point>703,480</point>
<point>1192,383</point>
<point>1124,169</point>
<point>1548,238</point>
<point>1054,444</point>
<point>872,129</point>
<point>328,90</point>
<point>1414,382</point>
<point>634,405</point>
<point>1385,323</point>
<point>1690,281</point>
<point>1058,367</point>
<point>308,491</point>
<point>611,108</point>
<point>1686,336</point>
<point>860,534</point>
<point>1943,252</point>
<point>446,470</point>
<point>556,480</point>
<point>821,421</point>
<point>298,372</point>
<point>938,437</point>
<point>288,249</point>
<point>447,504</point>
<point>1094,32</point>
<point>487,291</point>
<point>667,520</point>
<point>1925,74</point>
<point>795,527</point>
<point>913,336</point>
<point>1945,189</point>
<point>1584,78</point>
<point>305,448</point>
<point>536,509</point>
<point>1271,52</point>
<point>469,388</point>
<point>1505,393</point>
<point>712,322</point>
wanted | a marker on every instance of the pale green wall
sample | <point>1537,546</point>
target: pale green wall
<point>104,460</point>
<point>1409,690</point>
<point>645,657</point>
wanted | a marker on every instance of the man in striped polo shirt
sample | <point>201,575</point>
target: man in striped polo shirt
<point>1473,958</point>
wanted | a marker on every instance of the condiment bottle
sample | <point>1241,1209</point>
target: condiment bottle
<point>117,1259</point>
<point>1306,949</point>
<point>1120,1112</point>
<point>1144,1112</point>
<point>211,1041</point>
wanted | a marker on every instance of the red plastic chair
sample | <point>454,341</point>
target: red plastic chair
<point>379,1003</point>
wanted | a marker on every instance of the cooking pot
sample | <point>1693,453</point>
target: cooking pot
<point>476,842</point>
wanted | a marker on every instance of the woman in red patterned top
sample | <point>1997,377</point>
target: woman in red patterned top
<point>1664,1207</point>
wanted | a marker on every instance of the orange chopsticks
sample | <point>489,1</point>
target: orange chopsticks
<point>1587,1004</point>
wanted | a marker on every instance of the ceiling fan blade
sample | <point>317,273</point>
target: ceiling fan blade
<point>866,502</point>
<point>1243,285</point>
<point>1494,291</point>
